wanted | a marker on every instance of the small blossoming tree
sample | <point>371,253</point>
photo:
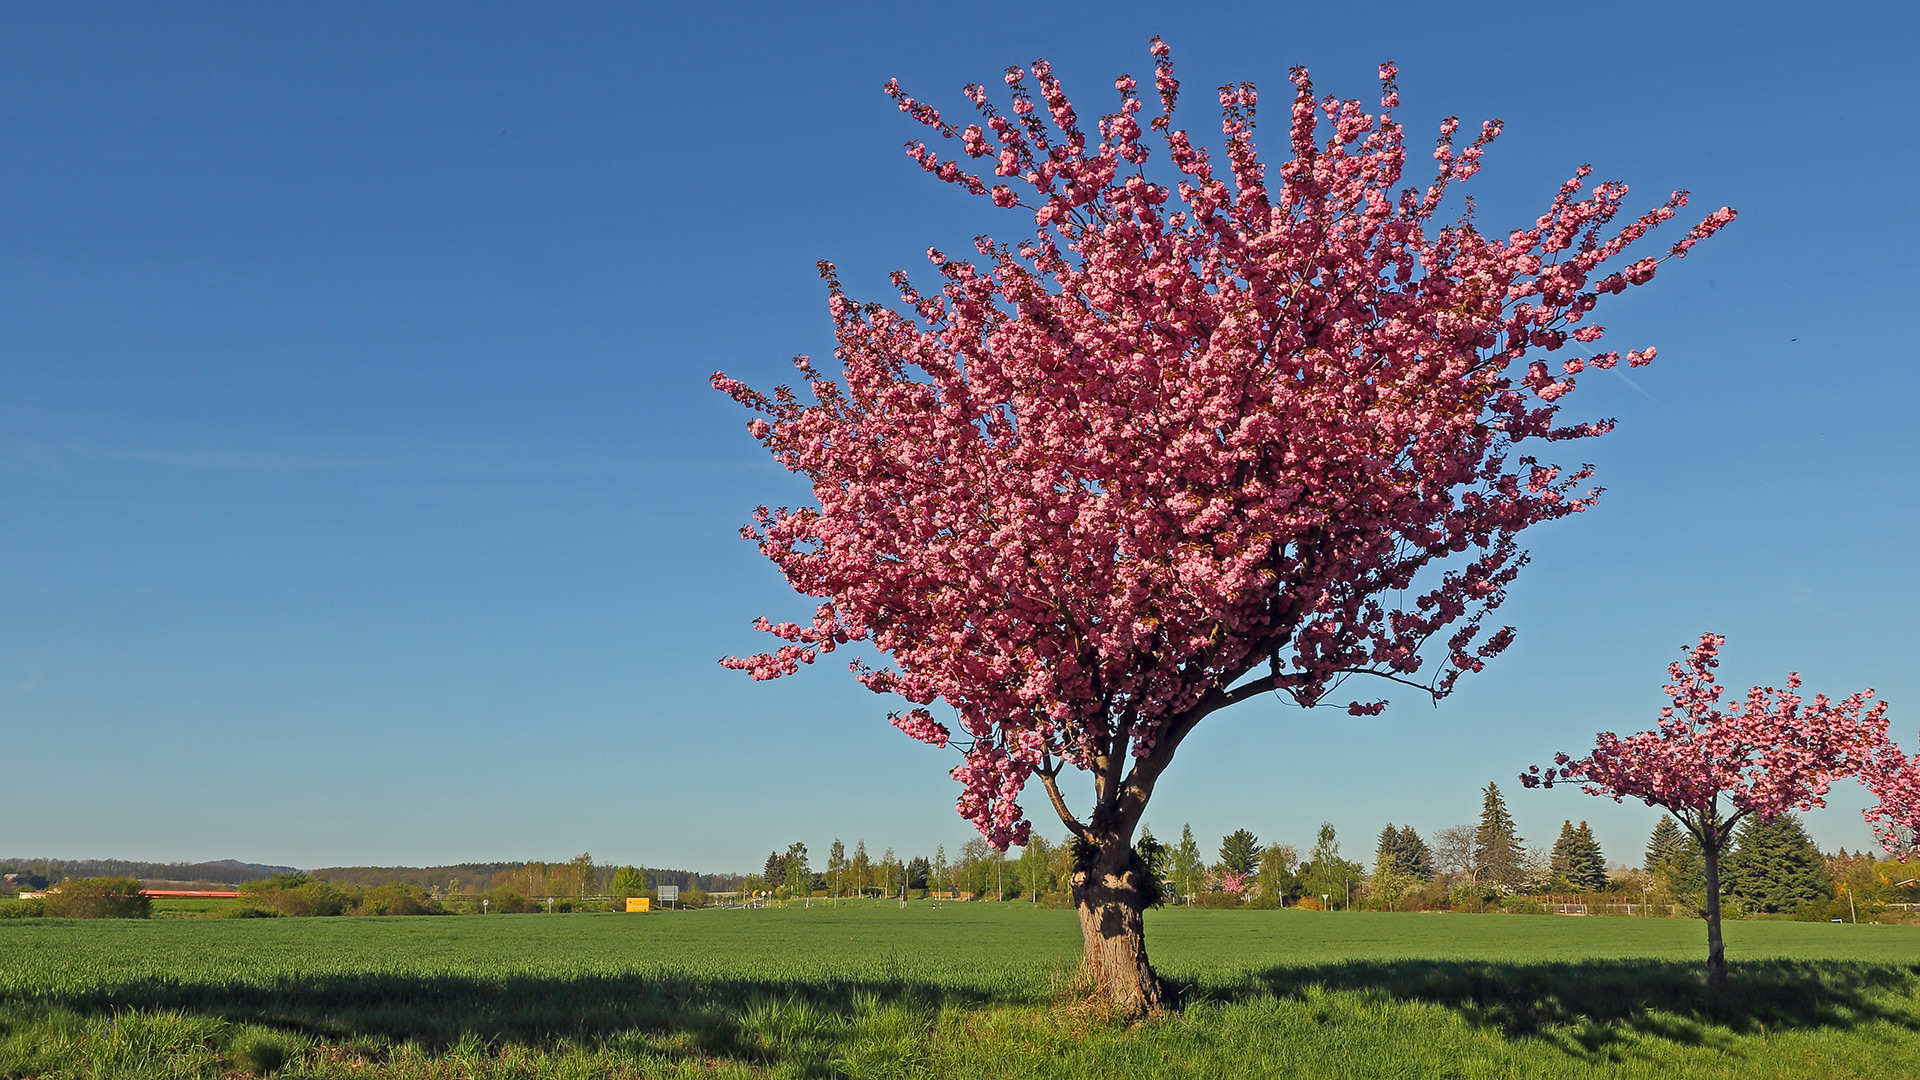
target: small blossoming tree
<point>1712,767</point>
<point>1205,436</point>
<point>1235,882</point>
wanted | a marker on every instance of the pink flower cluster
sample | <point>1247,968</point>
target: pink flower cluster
<point>1247,419</point>
<point>1770,753</point>
<point>1894,778</point>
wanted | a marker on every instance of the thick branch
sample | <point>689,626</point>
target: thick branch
<point>1050,781</point>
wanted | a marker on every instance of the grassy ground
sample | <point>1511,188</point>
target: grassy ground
<point>964,990</point>
<point>192,907</point>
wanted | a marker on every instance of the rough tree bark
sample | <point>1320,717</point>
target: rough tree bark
<point>1112,890</point>
<point>1112,887</point>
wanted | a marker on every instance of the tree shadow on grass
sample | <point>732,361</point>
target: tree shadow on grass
<point>1597,1010</point>
<point>1594,1008</point>
<point>803,1024</point>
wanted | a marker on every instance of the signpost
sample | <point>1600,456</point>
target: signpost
<point>669,894</point>
<point>637,903</point>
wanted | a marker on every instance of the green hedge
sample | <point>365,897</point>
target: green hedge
<point>99,898</point>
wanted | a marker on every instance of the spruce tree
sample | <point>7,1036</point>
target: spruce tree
<point>1239,852</point>
<point>1413,856</point>
<point>1388,846</point>
<point>1664,846</point>
<point>1577,858</point>
<point>1774,866</point>
<point>1563,853</point>
<point>1496,843</point>
<point>1589,862</point>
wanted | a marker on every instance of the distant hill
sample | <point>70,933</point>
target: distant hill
<point>459,877</point>
<point>220,872</point>
<point>476,877</point>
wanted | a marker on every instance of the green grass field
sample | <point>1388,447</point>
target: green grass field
<point>191,907</point>
<point>964,990</point>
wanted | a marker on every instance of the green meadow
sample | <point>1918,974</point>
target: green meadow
<point>957,990</point>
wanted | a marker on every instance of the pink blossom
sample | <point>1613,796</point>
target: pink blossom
<point>1250,428</point>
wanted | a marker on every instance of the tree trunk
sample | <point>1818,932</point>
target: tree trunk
<point>1716,949</point>
<point>1112,892</point>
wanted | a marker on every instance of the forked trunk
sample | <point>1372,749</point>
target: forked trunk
<point>1112,892</point>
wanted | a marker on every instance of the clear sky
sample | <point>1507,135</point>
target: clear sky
<point>363,500</point>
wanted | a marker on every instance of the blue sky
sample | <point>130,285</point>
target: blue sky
<point>362,498</point>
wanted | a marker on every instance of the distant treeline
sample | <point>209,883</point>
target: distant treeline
<point>529,876</point>
<point>223,872</point>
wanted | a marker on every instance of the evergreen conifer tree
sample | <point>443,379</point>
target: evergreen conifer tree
<point>1496,843</point>
<point>1239,852</point>
<point>1577,858</point>
<point>1388,845</point>
<point>776,870</point>
<point>1412,855</point>
<point>1563,848</point>
<point>1774,866</point>
<point>1665,845</point>
<point>1590,863</point>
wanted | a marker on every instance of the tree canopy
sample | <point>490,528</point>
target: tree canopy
<point>1239,852</point>
<point>1185,431</point>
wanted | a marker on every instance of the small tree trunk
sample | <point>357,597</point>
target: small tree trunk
<point>1112,892</point>
<point>1716,949</point>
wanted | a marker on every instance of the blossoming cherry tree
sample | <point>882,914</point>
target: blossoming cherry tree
<point>1206,435</point>
<point>1712,767</point>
